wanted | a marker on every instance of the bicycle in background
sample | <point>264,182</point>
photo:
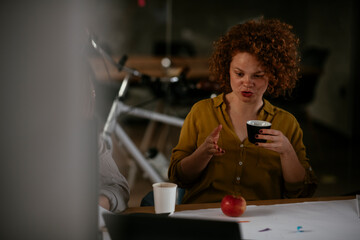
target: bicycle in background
<point>154,164</point>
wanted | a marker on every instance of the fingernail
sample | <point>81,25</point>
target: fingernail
<point>256,136</point>
<point>260,131</point>
<point>257,144</point>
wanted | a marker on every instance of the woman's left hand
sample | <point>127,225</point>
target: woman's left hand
<point>293,171</point>
<point>276,141</point>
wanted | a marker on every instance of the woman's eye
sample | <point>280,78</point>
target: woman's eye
<point>258,76</point>
<point>240,74</point>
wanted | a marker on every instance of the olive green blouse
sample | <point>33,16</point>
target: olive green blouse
<point>245,169</point>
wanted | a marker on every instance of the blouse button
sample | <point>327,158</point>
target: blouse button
<point>237,178</point>
<point>241,145</point>
<point>240,163</point>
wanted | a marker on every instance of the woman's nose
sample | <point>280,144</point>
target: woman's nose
<point>247,81</point>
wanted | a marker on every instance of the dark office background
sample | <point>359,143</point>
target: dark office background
<point>126,28</point>
<point>39,46</point>
<point>328,102</point>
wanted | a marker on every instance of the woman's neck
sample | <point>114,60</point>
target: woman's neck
<point>249,110</point>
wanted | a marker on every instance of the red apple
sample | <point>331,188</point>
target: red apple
<point>233,206</point>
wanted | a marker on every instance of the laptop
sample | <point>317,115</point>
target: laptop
<point>150,226</point>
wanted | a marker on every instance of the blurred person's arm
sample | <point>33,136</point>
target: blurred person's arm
<point>114,188</point>
<point>104,202</point>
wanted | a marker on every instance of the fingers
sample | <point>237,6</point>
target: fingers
<point>276,141</point>
<point>267,145</point>
<point>218,149</point>
<point>214,149</point>
<point>266,137</point>
<point>270,132</point>
<point>214,135</point>
<point>212,139</point>
<point>216,132</point>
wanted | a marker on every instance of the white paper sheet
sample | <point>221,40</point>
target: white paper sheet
<point>318,220</point>
<point>358,205</point>
<point>101,219</point>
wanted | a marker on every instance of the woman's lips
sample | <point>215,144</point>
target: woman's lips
<point>246,93</point>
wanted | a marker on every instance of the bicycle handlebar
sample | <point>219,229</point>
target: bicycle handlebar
<point>121,67</point>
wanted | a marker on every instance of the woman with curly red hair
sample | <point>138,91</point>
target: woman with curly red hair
<point>214,156</point>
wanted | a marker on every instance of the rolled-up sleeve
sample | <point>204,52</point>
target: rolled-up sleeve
<point>113,184</point>
<point>185,147</point>
<point>308,186</point>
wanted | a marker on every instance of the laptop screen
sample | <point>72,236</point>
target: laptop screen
<point>161,226</point>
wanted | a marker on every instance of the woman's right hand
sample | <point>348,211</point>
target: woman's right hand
<point>195,163</point>
<point>210,144</point>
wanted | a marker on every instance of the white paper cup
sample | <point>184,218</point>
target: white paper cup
<point>164,197</point>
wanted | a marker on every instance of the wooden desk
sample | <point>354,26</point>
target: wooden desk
<point>198,67</point>
<point>198,70</point>
<point>183,207</point>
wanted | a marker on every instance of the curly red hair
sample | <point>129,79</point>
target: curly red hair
<point>274,45</point>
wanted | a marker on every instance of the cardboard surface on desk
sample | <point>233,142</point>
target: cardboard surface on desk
<point>182,207</point>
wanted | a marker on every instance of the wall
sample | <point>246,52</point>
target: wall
<point>330,25</point>
<point>131,29</point>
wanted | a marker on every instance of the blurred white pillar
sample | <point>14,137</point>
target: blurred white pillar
<point>48,171</point>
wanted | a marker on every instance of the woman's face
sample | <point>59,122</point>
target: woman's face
<point>247,78</point>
